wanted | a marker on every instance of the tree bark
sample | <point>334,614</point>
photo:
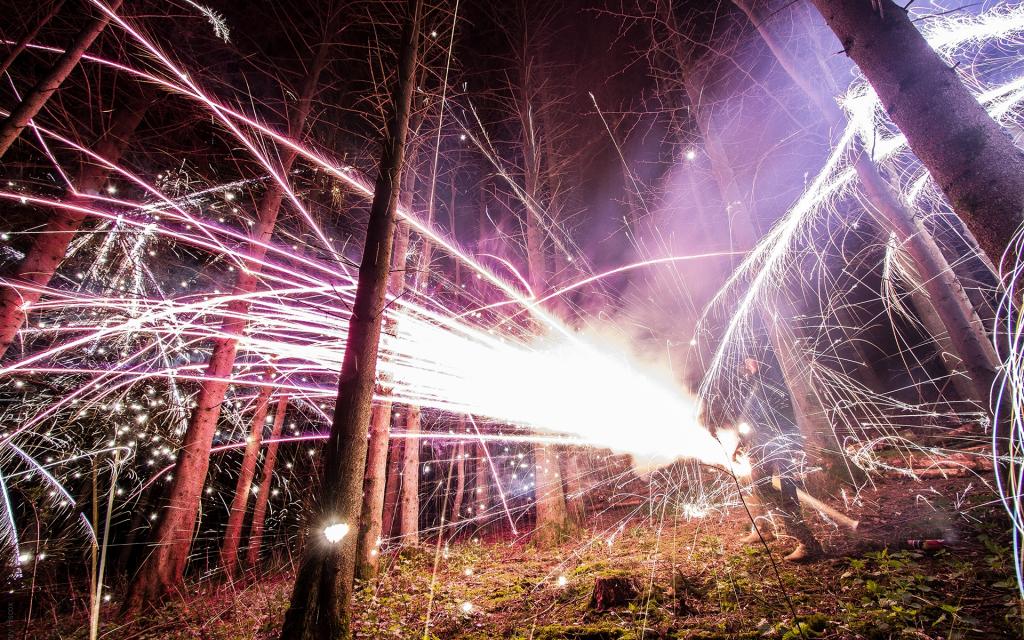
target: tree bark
<point>393,488</point>
<point>970,157</point>
<point>396,448</point>
<point>33,101</point>
<point>409,499</point>
<point>806,67</point>
<point>240,501</point>
<point>552,516</point>
<point>165,567</point>
<point>460,482</point>
<point>409,494</point>
<point>18,48</point>
<point>571,476</point>
<point>371,520</point>
<point>461,455</point>
<point>322,595</point>
<point>50,246</point>
<point>481,484</point>
<point>259,512</point>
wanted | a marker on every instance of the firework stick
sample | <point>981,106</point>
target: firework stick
<point>820,506</point>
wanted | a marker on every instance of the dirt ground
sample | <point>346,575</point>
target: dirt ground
<point>674,578</point>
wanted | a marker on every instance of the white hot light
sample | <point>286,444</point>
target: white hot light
<point>335,532</point>
<point>586,388</point>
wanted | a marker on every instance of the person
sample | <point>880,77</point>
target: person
<point>769,436</point>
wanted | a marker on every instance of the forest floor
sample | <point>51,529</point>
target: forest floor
<point>692,579</point>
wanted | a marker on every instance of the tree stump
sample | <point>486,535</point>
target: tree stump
<point>685,592</point>
<point>612,591</point>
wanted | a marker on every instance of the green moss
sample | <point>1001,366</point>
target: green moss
<point>702,634</point>
<point>510,595</point>
<point>582,632</point>
<point>589,567</point>
<point>612,572</point>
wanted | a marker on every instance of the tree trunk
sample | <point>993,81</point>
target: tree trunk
<point>967,153</point>
<point>571,475</point>
<point>396,448</point>
<point>129,547</point>
<point>165,567</point>
<point>972,359</point>
<point>964,330</point>
<point>409,500</point>
<point>371,520</point>
<point>259,512</point>
<point>552,516</point>
<point>806,67</point>
<point>240,501</point>
<point>393,488</point>
<point>408,505</point>
<point>460,482</point>
<point>821,442</point>
<point>50,246</point>
<point>460,425</point>
<point>18,48</point>
<point>967,387</point>
<point>323,585</point>
<point>548,494</point>
<point>481,485</point>
<point>35,100</point>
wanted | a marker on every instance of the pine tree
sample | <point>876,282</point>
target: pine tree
<point>321,599</point>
